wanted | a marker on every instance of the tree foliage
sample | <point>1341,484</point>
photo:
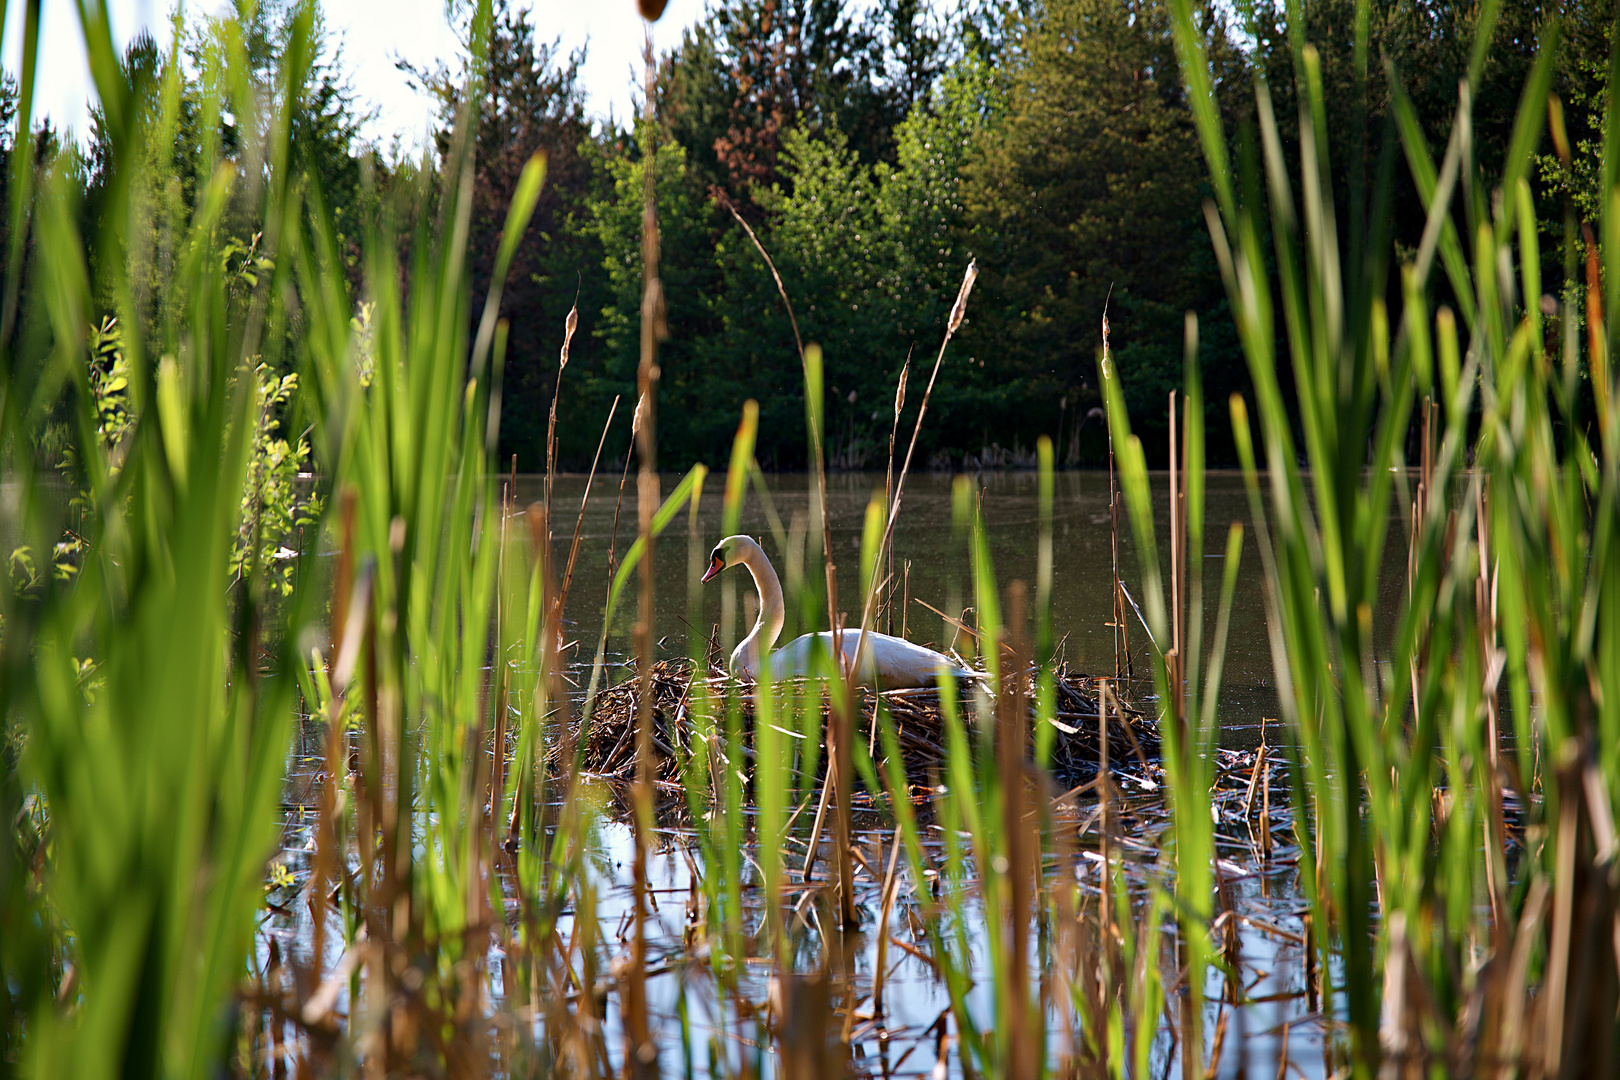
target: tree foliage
<point>874,151</point>
<point>1087,198</point>
<point>533,103</point>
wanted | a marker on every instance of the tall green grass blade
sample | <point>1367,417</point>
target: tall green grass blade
<point>1045,661</point>
<point>524,197</point>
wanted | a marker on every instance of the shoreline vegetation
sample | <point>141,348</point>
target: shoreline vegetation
<point>272,814</point>
<point>872,154</point>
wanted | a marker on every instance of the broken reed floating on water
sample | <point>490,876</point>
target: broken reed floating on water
<point>608,748</point>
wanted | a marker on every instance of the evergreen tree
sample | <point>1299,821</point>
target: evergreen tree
<point>1087,199</point>
<point>700,392</point>
<point>533,102</point>
<point>752,70</point>
<point>8,144</point>
<point>325,144</point>
<point>873,256</point>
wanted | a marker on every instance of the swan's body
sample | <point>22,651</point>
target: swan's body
<point>888,661</point>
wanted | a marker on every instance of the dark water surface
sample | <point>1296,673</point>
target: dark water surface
<point>1082,541</point>
<point>1278,1024</point>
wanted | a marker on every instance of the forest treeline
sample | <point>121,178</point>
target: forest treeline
<point>874,150</point>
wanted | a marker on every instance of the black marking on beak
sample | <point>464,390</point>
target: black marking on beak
<point>716,564</point>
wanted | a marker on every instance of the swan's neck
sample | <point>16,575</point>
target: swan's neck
<point>745,659</point>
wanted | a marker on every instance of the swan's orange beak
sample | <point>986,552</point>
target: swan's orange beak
<point>716,564</point>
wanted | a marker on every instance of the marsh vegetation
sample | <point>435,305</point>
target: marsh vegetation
<point>331,776</point>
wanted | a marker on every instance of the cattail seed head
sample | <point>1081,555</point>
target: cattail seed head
<point>959,309</point>
<point>569,326</point>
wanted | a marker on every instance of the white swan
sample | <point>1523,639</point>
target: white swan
<point>895,662</point>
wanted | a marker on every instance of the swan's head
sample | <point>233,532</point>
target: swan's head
<point>727,552</point>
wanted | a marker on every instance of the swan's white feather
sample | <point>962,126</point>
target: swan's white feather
<point>889,661</point>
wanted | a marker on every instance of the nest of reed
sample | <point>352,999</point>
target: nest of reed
<point>919,723</point>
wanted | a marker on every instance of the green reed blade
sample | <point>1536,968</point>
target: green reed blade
<point>1191,472</point>
<point>1528,121</point>
<point>1440,231</point>
<point>742,460</point>
<point>524,197</point>
<point>1484,30</point>
<point>1133,483</point>
<point>1194,64</point>
<point>1045,662</point>
<point>688,489</point>
<point>1217,651</point>
<point>19,185</point>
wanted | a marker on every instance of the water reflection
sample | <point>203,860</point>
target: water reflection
<point>938,568</point>
<point>708,1022</point>
<point>709,1025</point>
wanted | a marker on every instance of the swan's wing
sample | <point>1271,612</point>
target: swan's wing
<point>899,663</point>
<point>802,656</point>
<point>890,661</point>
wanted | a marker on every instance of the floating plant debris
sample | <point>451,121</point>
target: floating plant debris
<point>608,746</point>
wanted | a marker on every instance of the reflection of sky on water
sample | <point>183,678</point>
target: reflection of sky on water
<point>939,576</point>
<point>902,1041</point>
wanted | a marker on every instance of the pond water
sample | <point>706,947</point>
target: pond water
<point>939,575</point>
<point>704,1031</point>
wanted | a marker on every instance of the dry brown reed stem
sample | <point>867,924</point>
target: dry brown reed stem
<point>1597,347</point>
<point>771,265</point>
<point>840,766</point>
<point>579,520</point>
<point>817,822</point>
<point>376,894</point>
<point>641,1052</point>
<point>624,476</point>
<point>1105,695</point>
<point>1012,726</point>
<point>888,483</point>
<point>806,1026</point>
<point>1516,1003</point>
<point>1579,992</point>
<point>1309,951</point>
<point>1555,986</point>
<point>815,429</point>
<point>905,602</point>
<point>1495,825</point>
<point>327,842</point>
<point>570,324</point>
<point>1066,940</point>
<point>342,648</point>
<point>842,723</point>
<point>391,796</point>
<point>891,888</point>
<point>839,733</point>
<point>958,312</point>
<point>1122,641</point>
